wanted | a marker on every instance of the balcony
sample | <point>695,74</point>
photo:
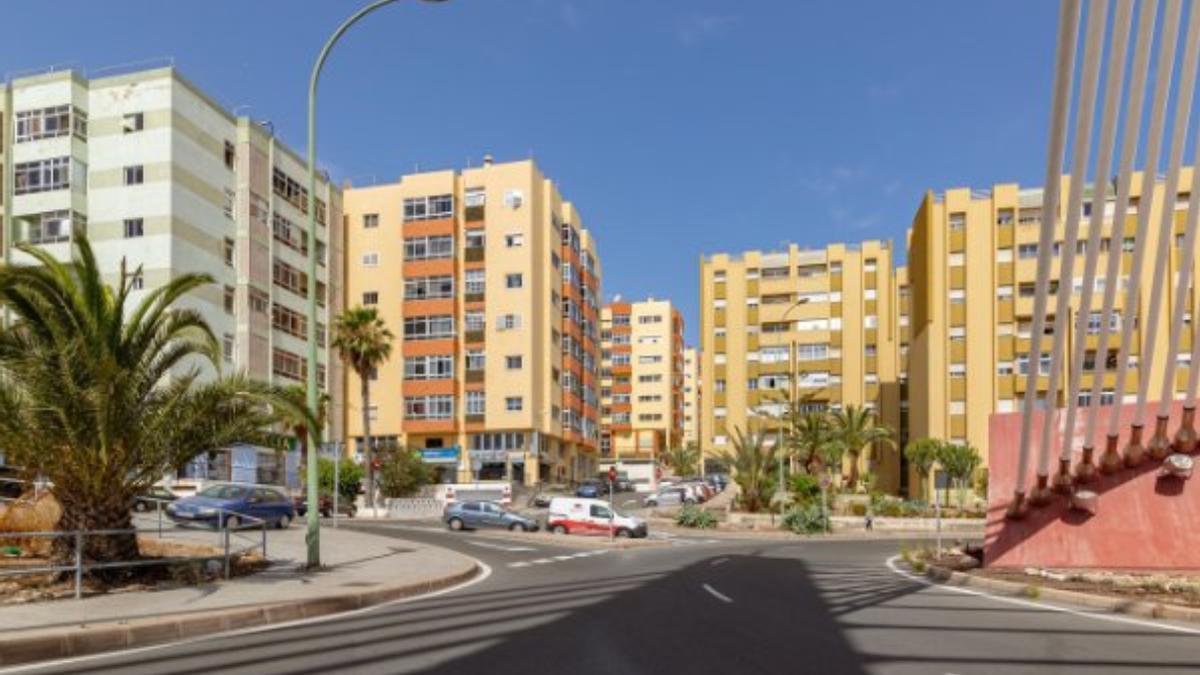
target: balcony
<point>473,297</point>
<point>474,375</point>
<point>473,214</point>
<point>474,254</point>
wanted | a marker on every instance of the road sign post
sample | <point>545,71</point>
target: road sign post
<point>612,479</point>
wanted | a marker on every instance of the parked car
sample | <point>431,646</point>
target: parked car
<point>592,489</point>
<point>345,507</point>
<point>718,481</point>
<point>573,515</point>
<point>230,503</point>
<point>155,498</point>
<point>670,496</point>
<point>472,515</point>
<point>621,484</point>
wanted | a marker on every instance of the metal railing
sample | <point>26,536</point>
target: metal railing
<point>224,531</point>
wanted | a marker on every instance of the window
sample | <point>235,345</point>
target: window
<point>428,208</point>
<point>227,251</point>
<point>136,282</point>
<point>775,272</point>
<point>289,190</point>
<point>652,358</point>
<point>1004,368</point>
<point>514,403</point>
<point>476,403</point>
<point>42,176</point>
<point>51,122</point>
<point>230,155</point>
<point>1026,251</point>
<point>650,318</point>
<point>438,407</point>
<point>958,333</point>
<point>958,296</point>
<point>370,298</point>
<point>1029,216</point>
<point>476,359</point>
<point>476,239</point>
<point>958,370</point>
<point>227,347</point>
<point>474,282</point>
<point>428,327</point>
<point>133,122</point>
<point>429,248</point>
<point>230,299</point>
<point>1004,217</point>
<point>871,321</point>
<point>370,259</point>
<point>429,367</point>
<point>957,260</point>
<point>258,301</point>
<point>514,240</point>
<point>429,288</point>
<point>958,221</point>
<point>508,322</point>
<point>474,196</point>
<point>958,407</point>
<point>135,175</point>
<point>1004,292</point>
<point>513,362</point>
<point>370,221</point>
<point>289,321</point>
<point>812,352</point>
<point>513,280</point>
<point>474,320</point>
<point>289,234</point>
<point>289,365</point>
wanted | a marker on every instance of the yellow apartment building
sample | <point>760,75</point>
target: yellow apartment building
<point>691,396</point>
<point>642,379</point>
<point>971,273</point>
<point>491,285</point>
<point>819,323</point>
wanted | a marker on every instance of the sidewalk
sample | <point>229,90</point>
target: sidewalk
<point>359,570</point>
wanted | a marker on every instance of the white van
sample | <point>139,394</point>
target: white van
<point>574,515</point>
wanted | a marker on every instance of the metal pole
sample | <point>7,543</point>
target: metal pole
<point>313,536</point>
<point>611,513</point>
<point>337,482</point>
<point>937,514</point>
<point>78,564</point>
<point>226,546</point>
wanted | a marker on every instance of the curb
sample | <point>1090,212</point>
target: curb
<point>1139,608</point>
<point>117,635</point>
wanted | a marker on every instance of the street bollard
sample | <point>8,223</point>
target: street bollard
<point>78,564</point>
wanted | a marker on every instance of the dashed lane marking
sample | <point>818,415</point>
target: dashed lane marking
<point>557,558</point>
<point>717,594</point>
<point>502,547</point>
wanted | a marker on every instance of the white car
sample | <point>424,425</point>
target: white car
<point>580,515</point>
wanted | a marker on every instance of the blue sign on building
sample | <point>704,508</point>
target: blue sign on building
<point>440,455</point>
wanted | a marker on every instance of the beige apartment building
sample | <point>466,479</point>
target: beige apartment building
<point>972,274</point>
<point>491,285</point>
<point>692,393</point>
<point>642,373</point>
<point>820,324</point>
<point>160,175</point>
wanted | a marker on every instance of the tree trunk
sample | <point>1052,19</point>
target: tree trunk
<point>366,420</point>
<point>98,512</point>
<point>852,479</point>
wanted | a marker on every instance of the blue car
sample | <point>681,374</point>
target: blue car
<point>234,505</point>
<point>592,489</point>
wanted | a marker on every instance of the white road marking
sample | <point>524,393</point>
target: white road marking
<point>484,572</point>
<point>501,547</point>
<point>891,564</point>
<point>520,564</point>
<point>563,557</point>
<point>541,561</point>
<point>717,594</point>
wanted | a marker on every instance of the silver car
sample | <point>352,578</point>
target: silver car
<point>669,497</point>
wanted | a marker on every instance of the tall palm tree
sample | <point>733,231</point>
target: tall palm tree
<point>810,440</point>
<point>103,401</point>
<point>682,460</point>
<point>856,429</point>
<point>753,462</point>
<point>922,454</point>
<point>364,342</point>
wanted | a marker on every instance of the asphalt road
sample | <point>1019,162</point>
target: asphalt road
<point>693,607</point>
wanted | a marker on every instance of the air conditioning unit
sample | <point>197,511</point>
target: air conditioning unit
<point>513,199</point>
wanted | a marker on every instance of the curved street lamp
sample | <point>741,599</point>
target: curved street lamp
<point>313,535</point>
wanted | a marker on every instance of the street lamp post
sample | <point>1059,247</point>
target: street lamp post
<point>780,491</point>
<point>313,535</point>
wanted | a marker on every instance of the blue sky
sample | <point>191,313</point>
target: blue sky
<point>677,127</point>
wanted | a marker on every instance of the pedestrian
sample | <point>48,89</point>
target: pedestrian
<point>869,518</point>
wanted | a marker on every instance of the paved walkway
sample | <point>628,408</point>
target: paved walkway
<point>354,562</point>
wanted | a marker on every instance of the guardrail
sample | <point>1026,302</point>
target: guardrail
<point>225,533</point>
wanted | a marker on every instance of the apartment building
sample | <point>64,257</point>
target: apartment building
<point>817,324</point>
<point>491,284</point>
<point>641,387</point>
<point>692,393</point>
<point>972,274</point>
<point>160,175</point>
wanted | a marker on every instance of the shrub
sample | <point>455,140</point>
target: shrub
<point>403,473</point>
<point>805,487</point>
<point>807,519</point>
<point>694,516</point>
<point>919,566</point>
<point>1033,592</point>
<point>858,509</point>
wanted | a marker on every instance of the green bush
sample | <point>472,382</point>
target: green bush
<point>805,488</point>
<point>808,519</point>
<point>694,516</point>
<point>858,509</point>
<point>402,473</point>
<point>349,475</point>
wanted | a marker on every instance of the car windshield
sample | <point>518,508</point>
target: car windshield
<point>222,492</point>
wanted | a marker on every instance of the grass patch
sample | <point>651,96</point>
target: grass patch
<point>1032,592</point>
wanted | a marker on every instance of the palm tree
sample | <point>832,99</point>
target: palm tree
<point>810,439</point>
<point>856,430</point>
<point>102,401</point>
<point>753,462</point>
<point>922,454</point>
<point>682,460</point>
<point>960,462</point>
<point>364,342</point>
<point>297,417</point>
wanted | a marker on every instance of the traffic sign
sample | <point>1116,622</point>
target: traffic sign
<point>612,474</point>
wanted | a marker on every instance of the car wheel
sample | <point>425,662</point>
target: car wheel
<point>559,529</point>
<point>455,524</point>
<point>141,507</point>
<point>516,527</point>
<point>285,521</point>
<point>232,522</point>
<point>624,534</point>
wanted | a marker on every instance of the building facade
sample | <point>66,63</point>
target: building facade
<point>491,285</point>
<point>972,270</point>
<point>692,394</point>
<point>160,176</point>
<point>817,325</point>
<point>642,379</point>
